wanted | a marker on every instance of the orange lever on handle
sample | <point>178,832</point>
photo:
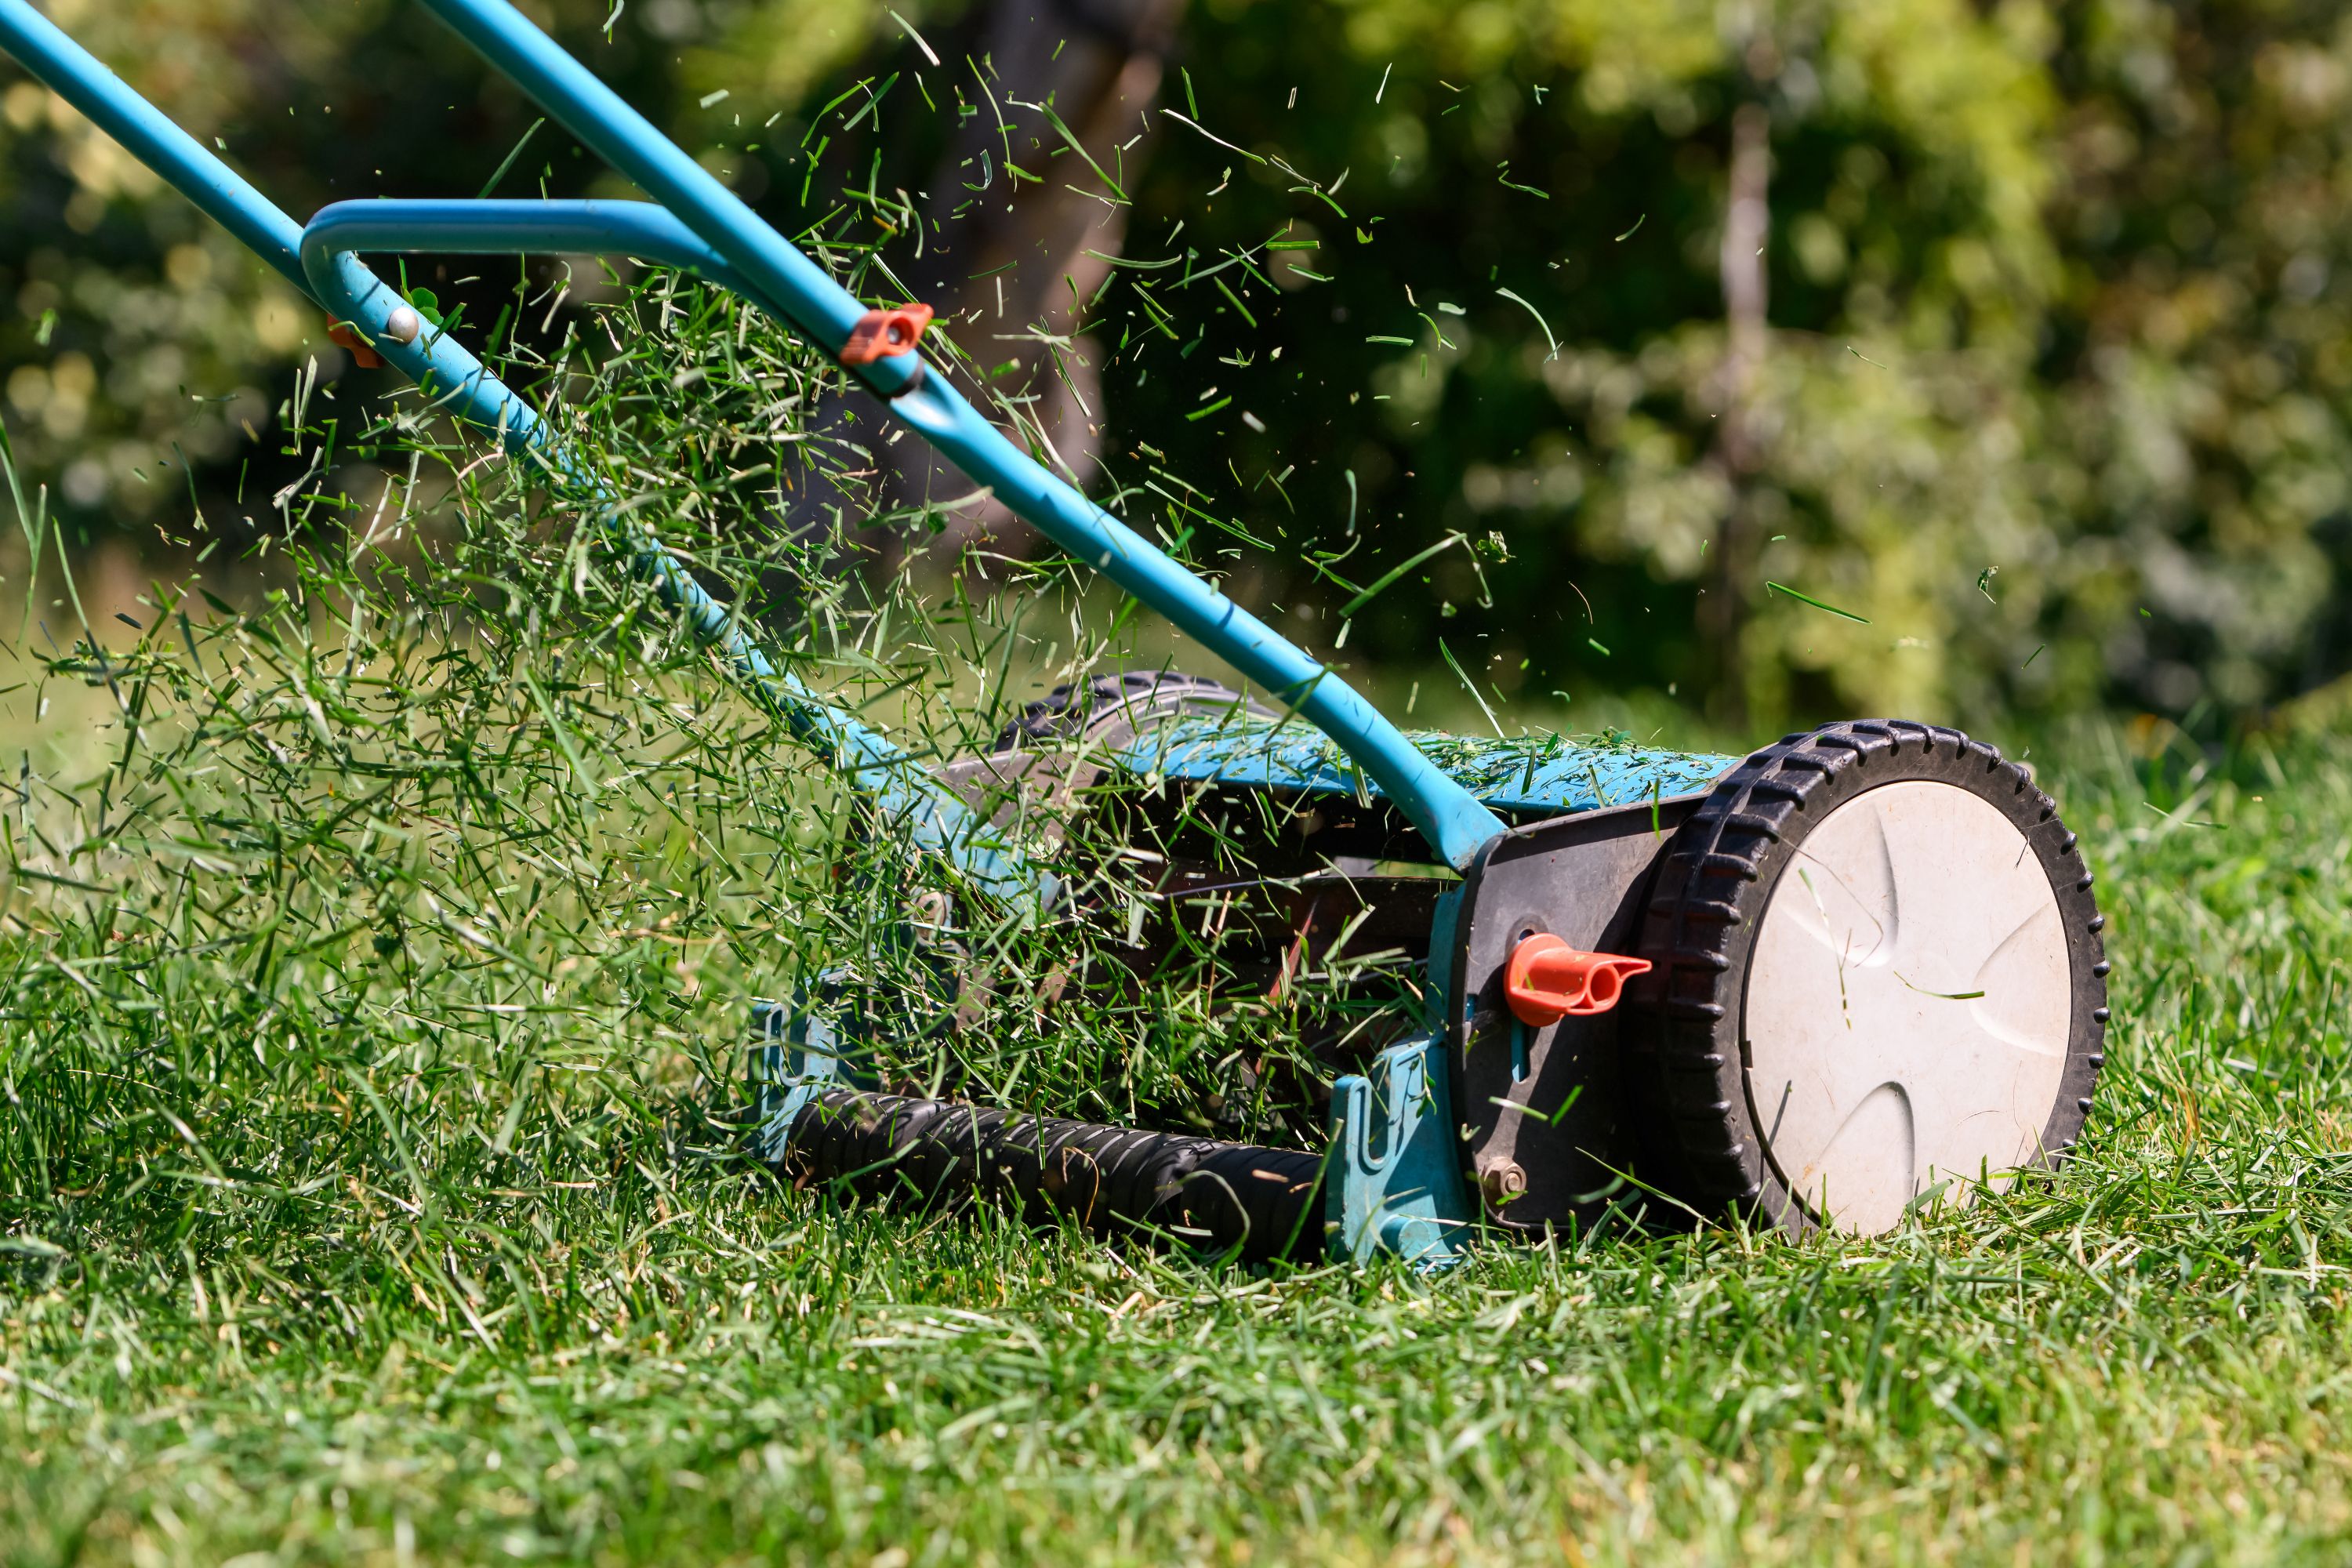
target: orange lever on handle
<point>1546,980</point>
<point>881,334</point>
<point>340,334</point>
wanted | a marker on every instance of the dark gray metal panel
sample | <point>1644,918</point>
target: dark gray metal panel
<point>1550,1100</point>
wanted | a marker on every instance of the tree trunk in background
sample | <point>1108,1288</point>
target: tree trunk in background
<point>1015,266</point>
<point>1747,224</point>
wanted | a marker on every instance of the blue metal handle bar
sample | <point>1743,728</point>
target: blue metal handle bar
<point>778,275</point>
<point>500,227</point>
<point>901,786</point>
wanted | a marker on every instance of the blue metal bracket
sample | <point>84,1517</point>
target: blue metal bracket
<point>796,1055</point>
<point>1394,1186</point>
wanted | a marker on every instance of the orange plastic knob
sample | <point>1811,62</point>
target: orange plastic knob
<point>881,334</point>
<point>340,334</point>
<point>1546,980</point>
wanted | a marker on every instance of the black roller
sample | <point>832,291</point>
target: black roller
<point>1113,1180</point>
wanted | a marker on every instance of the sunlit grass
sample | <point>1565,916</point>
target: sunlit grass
<point>474,1267</point>
<point>378,962</point>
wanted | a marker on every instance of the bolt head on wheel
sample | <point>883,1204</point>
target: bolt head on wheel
<point>1881,979</point>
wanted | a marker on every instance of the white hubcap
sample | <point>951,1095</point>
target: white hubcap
<point>1908,1004</point>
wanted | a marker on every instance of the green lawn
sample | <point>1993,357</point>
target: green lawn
<point>333,1236</point>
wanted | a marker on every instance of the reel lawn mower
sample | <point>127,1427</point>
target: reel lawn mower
<point>1855,971</point>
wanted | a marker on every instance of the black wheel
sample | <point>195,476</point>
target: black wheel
<point>1115,707</point>
<point>1879,974</point>
<point>1024,776</point>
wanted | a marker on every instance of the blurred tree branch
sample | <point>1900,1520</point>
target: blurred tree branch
<point>1747,229</point>
<point>1024,223</point>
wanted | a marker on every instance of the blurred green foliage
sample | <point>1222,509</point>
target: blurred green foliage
<point>2058,394</point>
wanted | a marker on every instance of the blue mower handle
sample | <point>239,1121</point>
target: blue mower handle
<point>936,819</point>
<point>702,224</point>
<point>1448,816</point>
